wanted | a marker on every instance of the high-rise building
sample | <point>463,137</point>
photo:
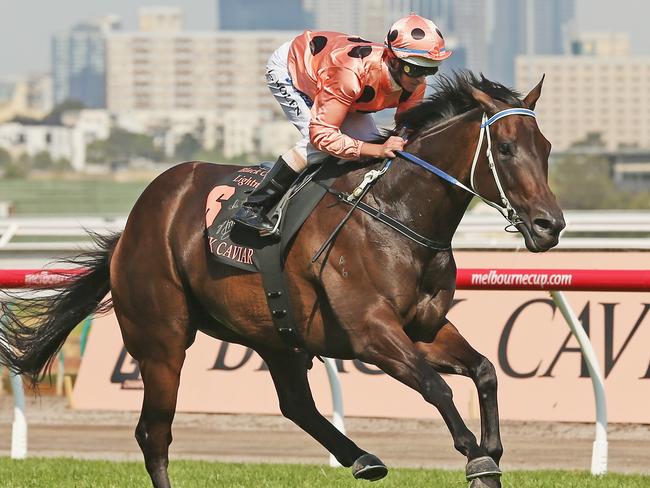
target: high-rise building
<point>590,94</point>
<point>467,22</point>
<point>548,26</point>
<point>262,15</point>
<point>78,60</point>
<point>220,70</point>
<point>531,27</point>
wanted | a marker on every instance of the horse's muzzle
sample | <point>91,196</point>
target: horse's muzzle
<point>541,230</point>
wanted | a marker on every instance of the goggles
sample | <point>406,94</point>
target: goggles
<point>415,71</point>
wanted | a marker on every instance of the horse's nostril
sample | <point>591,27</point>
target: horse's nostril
<point>544,225</point>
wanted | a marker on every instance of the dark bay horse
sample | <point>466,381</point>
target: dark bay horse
<point>375,296</point>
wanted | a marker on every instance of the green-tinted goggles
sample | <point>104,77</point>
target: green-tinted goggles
<point>415,71</point>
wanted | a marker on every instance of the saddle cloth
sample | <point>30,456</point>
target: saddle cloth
<point>238,246</point>
<point>222,202</point>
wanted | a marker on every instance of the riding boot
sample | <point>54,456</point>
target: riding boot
<point>253,212</point>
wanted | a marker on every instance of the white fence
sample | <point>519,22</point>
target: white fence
<point>478,230</point>
<point>585,230</point>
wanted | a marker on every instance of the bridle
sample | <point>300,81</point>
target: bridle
<point>354,199</point>
<point>506,209</point>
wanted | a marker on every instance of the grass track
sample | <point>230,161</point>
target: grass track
<point>71,197</point>
<point>68,473</point>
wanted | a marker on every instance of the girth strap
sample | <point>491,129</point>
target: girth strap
<point>269,262</point>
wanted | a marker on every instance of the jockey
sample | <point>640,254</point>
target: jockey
<point>328,84</point>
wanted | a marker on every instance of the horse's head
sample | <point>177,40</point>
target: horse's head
<point>520,153</point>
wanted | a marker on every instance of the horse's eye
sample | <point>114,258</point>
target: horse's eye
<point>505,149</point>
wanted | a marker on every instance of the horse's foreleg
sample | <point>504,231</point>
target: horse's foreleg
<point>449,352</point>
<point>289,372</point>
<point>387,346</point>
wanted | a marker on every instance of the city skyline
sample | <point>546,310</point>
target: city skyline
<point>34,53</point>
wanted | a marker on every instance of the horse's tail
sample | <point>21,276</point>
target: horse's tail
<point>33,329</point>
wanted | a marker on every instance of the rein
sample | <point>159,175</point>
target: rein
<point>354,199</point>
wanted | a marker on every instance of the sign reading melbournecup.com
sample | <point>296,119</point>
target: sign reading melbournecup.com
<point>539,364</point>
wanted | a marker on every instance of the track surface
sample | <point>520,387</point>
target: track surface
<point>55,430</point>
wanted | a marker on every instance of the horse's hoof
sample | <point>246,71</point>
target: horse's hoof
<point>480,467</point>
<point>486,482</point>
<point>369,467</point>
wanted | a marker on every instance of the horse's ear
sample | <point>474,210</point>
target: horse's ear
<point>533,96</point>
<point>484,100</point>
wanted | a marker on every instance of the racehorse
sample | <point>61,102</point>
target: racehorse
<point>376,295</point>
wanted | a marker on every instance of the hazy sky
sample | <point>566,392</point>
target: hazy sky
<point>26,25</point>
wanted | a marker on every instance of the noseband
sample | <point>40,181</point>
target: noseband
<point>505,208</point>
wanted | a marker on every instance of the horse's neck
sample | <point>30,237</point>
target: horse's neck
<point>429,204</point>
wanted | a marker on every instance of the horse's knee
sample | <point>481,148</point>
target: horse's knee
<point>297,411</point>
<point>437,392</point>
<point>485,375</point>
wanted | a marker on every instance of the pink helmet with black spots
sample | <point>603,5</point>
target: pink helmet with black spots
<point>417,40</point>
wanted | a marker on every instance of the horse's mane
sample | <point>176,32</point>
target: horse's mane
<point>451,97</point>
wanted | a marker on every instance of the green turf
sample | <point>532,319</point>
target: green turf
<point>98,474</point>
<point>66,197</point>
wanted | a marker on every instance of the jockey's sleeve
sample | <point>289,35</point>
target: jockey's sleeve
<point>337,89</point>
<point>415,98</point>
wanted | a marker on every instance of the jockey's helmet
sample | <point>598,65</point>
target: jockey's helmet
<point>416,40</point>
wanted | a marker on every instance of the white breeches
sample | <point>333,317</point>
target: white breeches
<point>297,107</point>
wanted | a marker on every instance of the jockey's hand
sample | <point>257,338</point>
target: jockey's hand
<point>393,143</point>
<point>385,150</point>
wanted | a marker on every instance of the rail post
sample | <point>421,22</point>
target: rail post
<point>599,450</point>
<point>19,426</point>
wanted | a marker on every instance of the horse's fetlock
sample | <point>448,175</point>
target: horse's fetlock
<point>495,450</point>
<point>465,443</point>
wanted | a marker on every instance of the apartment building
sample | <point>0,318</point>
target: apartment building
<point>171,70</point>
<point>593,93</point>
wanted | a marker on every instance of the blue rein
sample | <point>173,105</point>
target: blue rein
<point>433,169</point>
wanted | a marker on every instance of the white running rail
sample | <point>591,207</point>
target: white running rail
<point>478,230</point>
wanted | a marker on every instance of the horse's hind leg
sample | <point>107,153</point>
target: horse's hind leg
<point>153,433</point>
<point>156,333</point>
<point>449,352</point>
<point>289,373</point>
